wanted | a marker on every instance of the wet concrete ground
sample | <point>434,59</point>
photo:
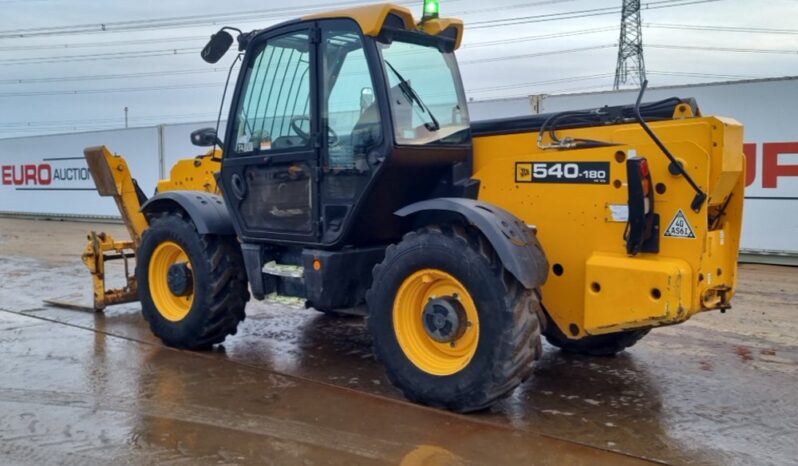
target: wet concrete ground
<point>296,386</point>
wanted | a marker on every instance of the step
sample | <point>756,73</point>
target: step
<point>290,301</point>
<point>283,270</point>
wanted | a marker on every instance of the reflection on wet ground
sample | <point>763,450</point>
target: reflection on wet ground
<point>718,390</point>
<point>658,401</point>
<point>73,396</point>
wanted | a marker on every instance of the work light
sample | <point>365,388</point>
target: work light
<point>431,9</point>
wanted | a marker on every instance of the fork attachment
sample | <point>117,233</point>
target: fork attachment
<point>113,179</point>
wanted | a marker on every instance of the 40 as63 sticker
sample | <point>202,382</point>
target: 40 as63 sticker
<point>562,172</point>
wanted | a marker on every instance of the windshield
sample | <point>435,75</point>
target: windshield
<point>427,98</point>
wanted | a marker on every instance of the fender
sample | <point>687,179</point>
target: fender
<point>515,243</point>
<point>206,210</point>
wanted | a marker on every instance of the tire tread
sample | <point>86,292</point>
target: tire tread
<point>228,293</point>
<point>595,345</point>
<point>520,342</point>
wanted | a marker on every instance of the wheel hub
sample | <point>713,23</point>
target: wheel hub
<point>179,279</point>
<point>444,319</point>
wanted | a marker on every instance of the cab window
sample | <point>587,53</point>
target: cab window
<point>350,112</point>
<point>274,111</point>
<point>351,122</point>
<point>426,94</point>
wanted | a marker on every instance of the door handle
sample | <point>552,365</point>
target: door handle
<point>375,158</point>
<point>239,187</point>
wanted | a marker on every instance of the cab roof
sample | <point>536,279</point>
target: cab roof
<point>371,19</point>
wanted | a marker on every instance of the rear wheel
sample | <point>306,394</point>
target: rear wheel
<point>453,328</point>
<point>595,345</point>
<point>192,287</point>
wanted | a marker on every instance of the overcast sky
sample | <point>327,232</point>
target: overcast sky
<point>38,96</point>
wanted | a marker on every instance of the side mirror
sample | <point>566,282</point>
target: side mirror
<point>366,98</point>
<point>215,49</point>
<point>205,137</point>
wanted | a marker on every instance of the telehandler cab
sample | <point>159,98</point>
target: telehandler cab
<point>351,176</point>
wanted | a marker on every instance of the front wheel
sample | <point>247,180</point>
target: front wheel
<point>192,287</point>
<point>453,328</point>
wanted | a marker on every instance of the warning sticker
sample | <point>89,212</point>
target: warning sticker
<point>680,227</point>
<point>620,212</point>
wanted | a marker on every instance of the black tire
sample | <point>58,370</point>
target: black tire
<point>595,345</point>
<point>219,283</point>
<point>509,326</point>
<point>336,314</point>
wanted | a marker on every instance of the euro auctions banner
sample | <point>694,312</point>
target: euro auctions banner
<point>48,174</point>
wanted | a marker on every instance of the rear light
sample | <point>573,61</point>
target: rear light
<point>644,168</point>
<point>642,229</point>
<point>645,174</point>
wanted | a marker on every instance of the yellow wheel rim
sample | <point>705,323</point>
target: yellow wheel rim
<point>426,353</point>
<point>169,305</point>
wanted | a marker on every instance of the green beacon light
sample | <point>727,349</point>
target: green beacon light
<point>431,9</point>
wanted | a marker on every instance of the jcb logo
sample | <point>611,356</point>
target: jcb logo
<point>523,172</point>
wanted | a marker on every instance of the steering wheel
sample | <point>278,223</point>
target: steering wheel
<point>296,126</point>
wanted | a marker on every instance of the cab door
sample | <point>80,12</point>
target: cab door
<point>352,139</point>
<point>269,171</point>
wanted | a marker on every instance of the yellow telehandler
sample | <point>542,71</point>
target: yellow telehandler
<point>351,176</point>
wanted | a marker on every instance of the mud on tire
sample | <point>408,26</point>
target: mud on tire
<point>219,284</point>
<point>509,326</point>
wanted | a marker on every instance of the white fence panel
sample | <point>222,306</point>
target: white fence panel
<point>177,143</point>
<point>48,174</point>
